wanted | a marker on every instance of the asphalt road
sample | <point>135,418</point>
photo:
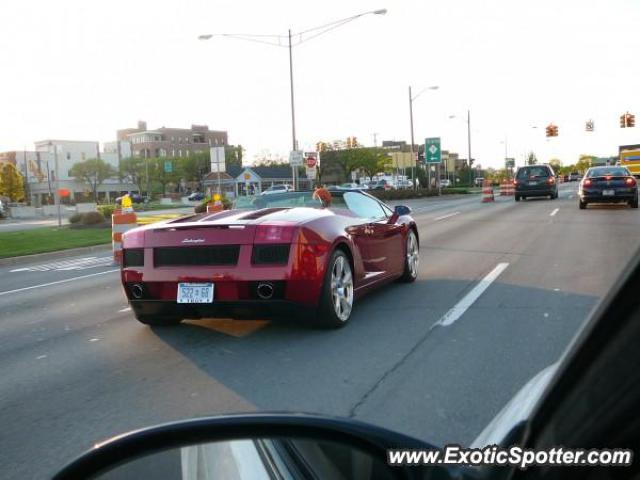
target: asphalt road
<point>77,368</point>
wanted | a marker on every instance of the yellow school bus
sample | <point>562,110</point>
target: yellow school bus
<point>630,157</point>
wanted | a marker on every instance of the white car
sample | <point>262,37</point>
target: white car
<point>445,182</point>
<point>353,186</point>
<point>277,189</point>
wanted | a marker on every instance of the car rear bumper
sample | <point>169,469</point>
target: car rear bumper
<point>599,198</point>
<point>538,192</point>
<point>241,310</point>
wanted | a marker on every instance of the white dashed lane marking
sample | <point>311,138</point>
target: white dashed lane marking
<point>66,265</point>
<point>463,305</point>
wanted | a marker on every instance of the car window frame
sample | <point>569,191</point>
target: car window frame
<point>368,198</point>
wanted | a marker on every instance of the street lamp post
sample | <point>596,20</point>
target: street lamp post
<point>311,33</point>
<point>413,159</point>
<point>468,143</point>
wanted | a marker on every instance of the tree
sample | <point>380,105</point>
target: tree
<point>133,169</point>
<point>94,172</point>
<point>158,173</point>
<point>11,182</point>
<point>532,159</point>
<point>233,155</point>
<point>556,164</point>
<point>371,160</point>
<point>584,162</point>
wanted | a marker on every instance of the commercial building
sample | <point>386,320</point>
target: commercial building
<point>171,142</point>
<point>39,168</point>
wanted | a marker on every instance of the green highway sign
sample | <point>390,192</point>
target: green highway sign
<point>510,162</point>
<point>432,152</point>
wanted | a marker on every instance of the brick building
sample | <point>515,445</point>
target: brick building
<point>171,142</point>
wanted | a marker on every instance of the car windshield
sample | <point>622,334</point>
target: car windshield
<point>530,172</point>
<point>608,172</point>
<point>457,242</point>
<point>277,200</point>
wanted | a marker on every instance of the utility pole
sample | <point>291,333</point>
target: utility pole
<point>57,192</point>
<point>293,113</point>
<point>413,155</point>
<point>469,144</point>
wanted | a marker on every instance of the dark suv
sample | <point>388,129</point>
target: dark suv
<point>535,181</point>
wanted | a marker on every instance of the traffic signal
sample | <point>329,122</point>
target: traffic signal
<point>552,130</point>
<point>631,120</point>
<point>555,130</point>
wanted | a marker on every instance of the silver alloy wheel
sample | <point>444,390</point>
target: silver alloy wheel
<point>413,254</point>
<point>342,288</point>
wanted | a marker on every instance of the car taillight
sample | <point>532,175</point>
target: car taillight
<point>587,182</point>
<point>515,182</point>
<point>274,233</point>
<point>552,180</point>
<point>630,181</point>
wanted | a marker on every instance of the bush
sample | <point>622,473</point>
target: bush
<point>106,210</point>
<point>92,218</point>
<point>75,218</point>
<point>202,208</point>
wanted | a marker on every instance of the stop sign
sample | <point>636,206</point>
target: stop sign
<point>311,162</point>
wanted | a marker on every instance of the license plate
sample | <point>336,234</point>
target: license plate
<point>533,184</point>
<point>195,293</point>
<point>608,193</point>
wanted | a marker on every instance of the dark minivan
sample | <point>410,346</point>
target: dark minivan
<point>535,181</point>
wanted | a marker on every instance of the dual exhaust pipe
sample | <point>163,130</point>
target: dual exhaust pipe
<point>264,290</point>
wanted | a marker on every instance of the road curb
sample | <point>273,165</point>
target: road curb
<point>38,257</point>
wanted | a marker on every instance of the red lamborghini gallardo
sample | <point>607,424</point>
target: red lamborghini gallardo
<point>273,255</point>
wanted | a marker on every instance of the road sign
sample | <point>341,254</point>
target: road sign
<point>311,159</point>
<point>432,152</point>
<point>217,159</point>
<point>510,162</point>
<point>295,158</point>
<point>168,166</point>
<point>311,173</point>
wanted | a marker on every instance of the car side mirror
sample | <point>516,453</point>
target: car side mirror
<point>401,210</point>
<point>261,445</point>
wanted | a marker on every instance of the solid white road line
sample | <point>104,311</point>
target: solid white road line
<point>463,305</point>
<point>446,216</point>
<point>8,292</point>
<point>553,214</point>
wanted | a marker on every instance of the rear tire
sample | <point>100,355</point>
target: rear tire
<point>517,198</point>
<point>336,298</point>
<point>411,258</point>
<point>634,203</point>
<point>158,321</point>
<point>582,205</point>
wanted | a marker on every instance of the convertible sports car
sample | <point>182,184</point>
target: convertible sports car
<point>275,255</point>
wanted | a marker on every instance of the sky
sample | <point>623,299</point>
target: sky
<point>80,70</point>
